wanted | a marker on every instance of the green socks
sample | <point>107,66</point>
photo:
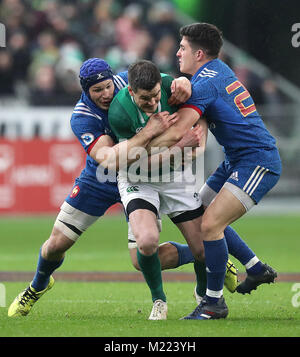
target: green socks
<point>151,269</point>
<point>200,270</point>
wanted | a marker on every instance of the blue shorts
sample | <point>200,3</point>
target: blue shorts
<point>91,201</point>
<point>254,180</point>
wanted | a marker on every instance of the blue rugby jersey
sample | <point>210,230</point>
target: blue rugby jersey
<point>232,117</point>
<point>89,123</point>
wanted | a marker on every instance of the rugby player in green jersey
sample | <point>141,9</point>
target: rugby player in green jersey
<point>147,96</point>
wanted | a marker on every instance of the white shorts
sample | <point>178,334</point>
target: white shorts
<point>170,198</point>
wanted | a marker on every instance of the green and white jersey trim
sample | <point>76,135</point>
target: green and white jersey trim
<point>140,113</point>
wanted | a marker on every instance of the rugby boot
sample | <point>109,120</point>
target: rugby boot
<point>252,281</point>
<point>24,302</point>
<point>159,310</point>
<point>207,311</point>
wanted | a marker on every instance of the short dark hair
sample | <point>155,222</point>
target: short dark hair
<point>143,74</point>
<point>205,36</point>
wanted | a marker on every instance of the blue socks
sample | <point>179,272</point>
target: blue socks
<point>216,256</point>
<point>239,249</point>
<point>216,263</point>
<point>236,247</point>
<point>185,255</point>
<point>43,271</point>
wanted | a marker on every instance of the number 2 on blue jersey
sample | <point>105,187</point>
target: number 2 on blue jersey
<point>239,98</point>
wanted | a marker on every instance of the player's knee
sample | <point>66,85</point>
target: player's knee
<point>56,245</point>
<point>208,227</point>
<point>148,243</point>
<point>52,247</point>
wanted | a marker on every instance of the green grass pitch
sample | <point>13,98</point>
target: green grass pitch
<point>121,309</point>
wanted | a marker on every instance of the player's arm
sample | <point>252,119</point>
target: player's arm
<point>195,138</point>
<point>187,118</point>
<point>113,157</point>
<point>181,90</point>
<point>128,151</point>
<point>107,153</point>
<point>103,144</point>
<point>202,96</point>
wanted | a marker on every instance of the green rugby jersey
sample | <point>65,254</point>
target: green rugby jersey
<point>125,117</point>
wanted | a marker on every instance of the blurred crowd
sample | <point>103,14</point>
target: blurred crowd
<point>47,41</point>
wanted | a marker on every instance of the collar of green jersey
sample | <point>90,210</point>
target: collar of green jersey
<point>143,117</point>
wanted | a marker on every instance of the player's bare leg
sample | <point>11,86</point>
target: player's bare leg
<point>144,227</point>
<point>55,247</point>
<point>192,234</point>
<point>224,210</point>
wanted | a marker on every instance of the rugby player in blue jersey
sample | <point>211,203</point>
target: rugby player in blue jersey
<point>91,196</point>
<point>251,168</point>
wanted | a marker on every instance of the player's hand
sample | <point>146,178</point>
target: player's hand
<point>158,123</point>
<point>181,90</point>
<point>192,138</point>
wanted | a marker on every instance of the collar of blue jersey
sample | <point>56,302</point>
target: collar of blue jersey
<point>201,68</point>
